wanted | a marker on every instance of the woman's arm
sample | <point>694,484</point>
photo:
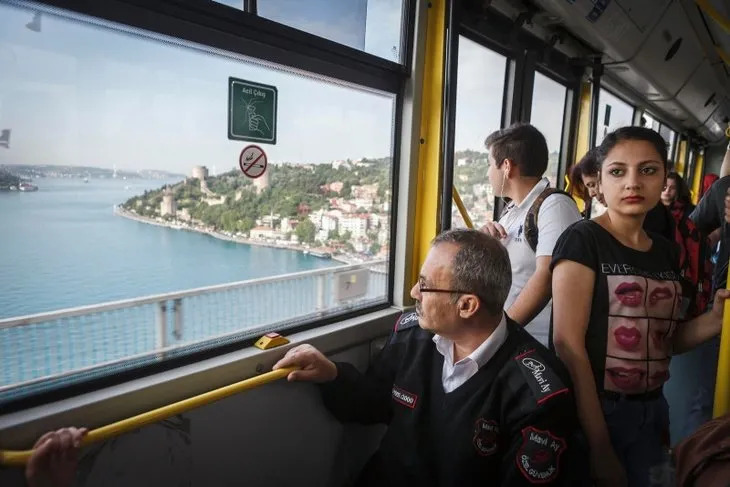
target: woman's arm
<point>700,329</point>
<point>572,296</point>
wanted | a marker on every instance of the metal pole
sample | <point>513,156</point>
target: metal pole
<point>595,95</point>
<point>320,292</point>
<point>449,110</point>
<point>161,325</point>
<point>177,310</point>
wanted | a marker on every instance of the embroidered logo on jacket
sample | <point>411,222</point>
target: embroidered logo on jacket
<point>542,380</point>
<point>536,368</point>
<point>538,458</point>
<point>486,433</point>
<point>406,398</point>
<point>407,320</point>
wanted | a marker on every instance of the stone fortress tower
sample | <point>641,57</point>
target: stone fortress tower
<point>168,206</point>
<point>261,182</point>
<point>201,173</point>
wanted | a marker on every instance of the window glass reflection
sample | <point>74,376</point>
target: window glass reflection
<point>479,94</point>
<point>373,26</point>
<point>613,113</point>
<point>548,106</point>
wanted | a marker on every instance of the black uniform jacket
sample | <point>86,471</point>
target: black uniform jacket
<point>514,423</point>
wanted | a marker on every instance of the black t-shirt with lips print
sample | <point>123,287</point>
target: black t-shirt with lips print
<point>638,300</point>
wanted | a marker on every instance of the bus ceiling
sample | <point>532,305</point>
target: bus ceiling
<point>667,56</point>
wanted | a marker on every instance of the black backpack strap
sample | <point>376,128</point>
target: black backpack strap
<point>530,227</point>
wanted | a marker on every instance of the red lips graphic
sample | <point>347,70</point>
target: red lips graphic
<point>627,338</point>
<point>660,294</point>
<point>629,294</point>
<point>626,379</point>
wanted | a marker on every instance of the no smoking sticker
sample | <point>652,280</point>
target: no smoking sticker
<point>252,161</point>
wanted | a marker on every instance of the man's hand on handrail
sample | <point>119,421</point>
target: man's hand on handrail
<point>313,365</point>
<point>55,458</point>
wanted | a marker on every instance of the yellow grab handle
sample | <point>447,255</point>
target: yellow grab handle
<point>20,458</point>
<point>722,384</point>
<point>461,207</point>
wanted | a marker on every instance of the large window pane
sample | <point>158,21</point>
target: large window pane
<point>139,194</point>
<point>649,121</point>
<point>231,3</point>
<point>670,137</point>
<point>479,92</point>
<point>613,113</point>
<point>373,26</point>
<point>548,105</point>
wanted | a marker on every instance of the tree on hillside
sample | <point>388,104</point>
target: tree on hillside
<point>246,224</point>
<point>305,231</point>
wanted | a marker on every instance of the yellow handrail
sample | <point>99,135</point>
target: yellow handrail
<point>713,14</point>
<point>430,163</point>
<point>722,384</point>
<point>461,207</point>
<point>19,458</point>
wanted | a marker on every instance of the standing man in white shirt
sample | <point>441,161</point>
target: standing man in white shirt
<point>518,159</point>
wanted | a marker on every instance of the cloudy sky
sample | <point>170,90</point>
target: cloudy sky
<point>82,94</point>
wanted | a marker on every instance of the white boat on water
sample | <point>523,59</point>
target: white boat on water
<point>27,187</point>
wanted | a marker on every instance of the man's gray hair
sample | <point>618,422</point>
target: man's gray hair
<point>481,266</point>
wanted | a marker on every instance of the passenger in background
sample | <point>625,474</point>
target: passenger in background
<point>578,189</point>
<point>531,222</point>
<point>694,255</point>
<point>618,299</point>
<point>709,217</point>
<point>586,171</point>
<point>55,457</point>
<point>675,195</point>
<point>469,397</point>
<point>708,181</point>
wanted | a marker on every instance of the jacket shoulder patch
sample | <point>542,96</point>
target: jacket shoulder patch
<point>405,321</point>
<point>542,380</point>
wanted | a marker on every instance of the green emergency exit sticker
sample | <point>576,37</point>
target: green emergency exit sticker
<point>251,111</point>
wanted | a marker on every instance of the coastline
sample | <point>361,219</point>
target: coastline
<point>119,211</point>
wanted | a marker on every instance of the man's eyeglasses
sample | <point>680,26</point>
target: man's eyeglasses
<point>424,289</point>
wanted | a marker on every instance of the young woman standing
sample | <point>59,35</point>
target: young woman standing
<point>618,300</point>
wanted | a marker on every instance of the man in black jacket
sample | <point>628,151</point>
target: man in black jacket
<point>469,397</point>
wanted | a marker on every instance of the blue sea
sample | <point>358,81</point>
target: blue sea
<point>63,246</point>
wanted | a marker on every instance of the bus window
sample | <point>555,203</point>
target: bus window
<point>613,113</point>
<point>479,94</point>
<point>548,106</point>
<point>238,4</point>
<point>373,26</point>
<point>650,122</point>
<point>670,137</point>
<point>125,199</point>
